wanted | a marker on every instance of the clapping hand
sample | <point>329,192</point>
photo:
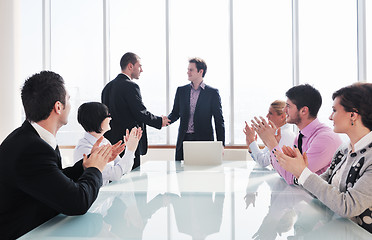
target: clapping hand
<point>131,139</point>
<point>250,134</point>
<point>266,131</point>
<point>117,148</point>
<point>98,158</point>
<point>292,160</point>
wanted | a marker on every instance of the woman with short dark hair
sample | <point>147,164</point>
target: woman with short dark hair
<point>95,119</point>
<point>346,186</point>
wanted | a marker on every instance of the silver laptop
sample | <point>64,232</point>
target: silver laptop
<point>202,153</point>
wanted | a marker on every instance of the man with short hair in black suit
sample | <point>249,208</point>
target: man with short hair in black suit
<point>123,98</point>
<point>33,186</point>
<point>196,103</point>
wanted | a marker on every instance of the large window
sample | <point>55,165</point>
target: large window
<point>248,46</point>
<point>76,54</point>
<point>31,58</point>
<point>139,27</point>
<point>263,58</point>
<point>30,38</point>
<point>328,47</point>
<point>193,35</point>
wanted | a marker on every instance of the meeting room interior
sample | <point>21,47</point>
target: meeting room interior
<point>255,51</point>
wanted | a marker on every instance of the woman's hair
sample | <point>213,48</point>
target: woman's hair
<point>357,98</point>
<point>91,116</point>
<point>278,106</point>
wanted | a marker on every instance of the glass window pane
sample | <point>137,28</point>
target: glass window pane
<point>31,38</point>
<point>328,47</point>
<point>262,58</point>
<point>193,34</point>
<point>77,55</point>
<point>139,27</point>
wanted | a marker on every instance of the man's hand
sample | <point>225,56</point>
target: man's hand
<point>96,145</point>
<point>117,148</point>
<point>266,131</point>
<point>295,163</point>
<point>165,121</point>
<point>98,158</point>
<point>250,134</point>
<point>131,139</point>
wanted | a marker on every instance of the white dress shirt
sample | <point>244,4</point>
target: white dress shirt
<point>44,134</point>
<point>262,157</point>
<point>113,170</point>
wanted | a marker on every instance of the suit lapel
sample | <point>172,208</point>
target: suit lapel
<point>187,100</point>
<point>27,125</point>
<point>59,162</point>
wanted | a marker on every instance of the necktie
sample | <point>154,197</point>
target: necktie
<point>57,151</point>
<point>59,162</point>
<point>300,142</point>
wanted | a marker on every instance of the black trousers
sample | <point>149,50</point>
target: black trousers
<point>179,152</point>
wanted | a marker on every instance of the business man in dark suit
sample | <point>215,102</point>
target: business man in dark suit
<point>123,98</point>
<point>195,104</point>
<point>33,185</point>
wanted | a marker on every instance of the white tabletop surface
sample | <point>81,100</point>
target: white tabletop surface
<point>236,200</point>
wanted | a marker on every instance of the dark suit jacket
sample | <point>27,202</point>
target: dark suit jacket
<point>123,98</point>
<point>35,188</point>
<point>208,105</point>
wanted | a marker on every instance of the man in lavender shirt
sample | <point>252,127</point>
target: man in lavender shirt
<point>196,103</point>
<point>317,140</point>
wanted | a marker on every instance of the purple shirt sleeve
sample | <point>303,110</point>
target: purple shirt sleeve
<point>288,177</point>
<point>320,147</point>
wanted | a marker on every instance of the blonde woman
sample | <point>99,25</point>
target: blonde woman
<point>277,116</point>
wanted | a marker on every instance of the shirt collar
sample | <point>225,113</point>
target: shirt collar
<point>285,126</point>
<point>44,134</point>
<point>362,143</point>
<point>90,138</point>
<point>306,131</point>
<point>202,85</point>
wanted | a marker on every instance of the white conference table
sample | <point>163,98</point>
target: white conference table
<point>236,200</point>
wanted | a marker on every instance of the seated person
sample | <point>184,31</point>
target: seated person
<point>95,119</point>
<point>34,187</point>
<point>284,133</point>
<point>315,138</point>
<point>346,185</point>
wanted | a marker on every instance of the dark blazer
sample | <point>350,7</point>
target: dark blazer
<point>123,98</point>
<point>34,187</point>
<point>208,105</point>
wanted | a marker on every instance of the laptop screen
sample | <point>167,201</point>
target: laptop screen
<point>202,152</point>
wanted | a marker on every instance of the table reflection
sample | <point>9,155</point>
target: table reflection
<point>237,200</point>
<point>292,208</point>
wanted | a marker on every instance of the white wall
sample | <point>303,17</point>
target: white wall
<point>10,100</point>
